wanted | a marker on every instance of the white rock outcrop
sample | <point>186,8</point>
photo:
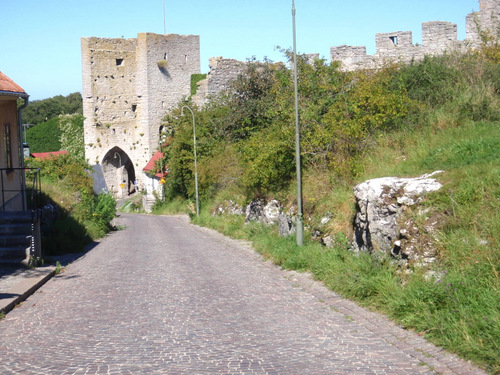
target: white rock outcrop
<point>380,204</point>
<point>259,210</point>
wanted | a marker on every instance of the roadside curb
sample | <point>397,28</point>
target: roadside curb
<point>28,283</point>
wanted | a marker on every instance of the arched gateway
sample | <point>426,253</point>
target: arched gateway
<point>118,172</point>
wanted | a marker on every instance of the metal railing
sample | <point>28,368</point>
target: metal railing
<point>20,190</point>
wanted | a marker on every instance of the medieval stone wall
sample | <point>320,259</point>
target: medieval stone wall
<point>487,20</point>
<point>437,38</point>
<point>128,86</point>
<point>222,72</point>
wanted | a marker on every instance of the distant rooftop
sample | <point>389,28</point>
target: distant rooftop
<point>47,155</point>
<point>151,164</point>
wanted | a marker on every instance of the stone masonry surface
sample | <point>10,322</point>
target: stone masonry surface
<point>166,297</point>
<point>128,87</point>
<point>437,38</point>
<point>222,73</point>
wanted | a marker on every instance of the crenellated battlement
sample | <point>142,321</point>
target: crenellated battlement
<point>438,37</point>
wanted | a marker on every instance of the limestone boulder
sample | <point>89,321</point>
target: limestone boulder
<point>286,225</point>
<point>229,207</point>
<point>381,203</point>
<point>262,211</point>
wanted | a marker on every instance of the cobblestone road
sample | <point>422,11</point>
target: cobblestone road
<point>163,296</point>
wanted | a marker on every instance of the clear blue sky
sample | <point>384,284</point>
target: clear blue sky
<point>40,39</point>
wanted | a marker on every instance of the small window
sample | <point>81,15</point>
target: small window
<point>185,58</point>
<point>119,62</point>
<point>7,146</point>
<point>134,107</point>
<point>394,40</point>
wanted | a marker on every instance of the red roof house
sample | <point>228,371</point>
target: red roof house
<point>47,155</point>
<point>11,162</point>
<point>9,86</point>
<point>151,164</point>
<point>15,204</point>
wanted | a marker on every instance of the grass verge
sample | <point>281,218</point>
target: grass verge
<point>455,304</point>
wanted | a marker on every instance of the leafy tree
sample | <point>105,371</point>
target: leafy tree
<point>40,111</point>
<point>66,170</point>
<point>45,136</point>
<point>71,127</point>
<point>250,100</point>
<point>246,135</point>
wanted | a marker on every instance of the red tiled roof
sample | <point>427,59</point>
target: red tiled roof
<point>6,84</point>
<point>47,155</point>
<point>151,164</point>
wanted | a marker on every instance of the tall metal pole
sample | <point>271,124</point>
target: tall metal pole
<point>164,21</point>
<point>300,219</point>
<point>195,165</point>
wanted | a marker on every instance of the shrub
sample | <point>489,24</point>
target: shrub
<point>195,78</point>
<point>84,216</point>
<point>433,81</point>
<point>71,127</point>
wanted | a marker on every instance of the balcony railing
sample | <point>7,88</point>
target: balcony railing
<point>20,190</point>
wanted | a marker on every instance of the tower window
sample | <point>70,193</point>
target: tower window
<point>394,40</point>
<point>119,62</point>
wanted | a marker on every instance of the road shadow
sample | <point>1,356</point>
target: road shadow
<point>12,269</point>
<point>66,259</point>
<point>8,295</point>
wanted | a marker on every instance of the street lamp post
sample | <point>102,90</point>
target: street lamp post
<point>195,165</point>
<point>300,219</point>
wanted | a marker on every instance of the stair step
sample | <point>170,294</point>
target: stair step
<point>16,235</point>
<point>13,253</point>
<point>19,228</point>
<point>15,240</point>
<point>15,217</point>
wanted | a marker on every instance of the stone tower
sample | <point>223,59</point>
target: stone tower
<point>128,87</point>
